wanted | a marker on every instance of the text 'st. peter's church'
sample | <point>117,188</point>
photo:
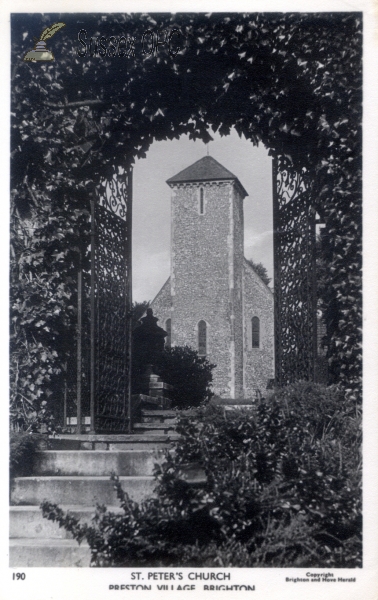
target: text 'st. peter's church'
<point>214,301</point>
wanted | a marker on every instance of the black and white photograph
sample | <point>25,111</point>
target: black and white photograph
<point>192,358</point>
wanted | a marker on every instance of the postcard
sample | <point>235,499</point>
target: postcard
<point>192,345</point>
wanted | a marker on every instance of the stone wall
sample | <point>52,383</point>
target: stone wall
<point>203,267</point>
<point>258,362</point>
<point>236,289</point>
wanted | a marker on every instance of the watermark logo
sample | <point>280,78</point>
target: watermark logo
<point>128,45</point>
<point>40,52</point>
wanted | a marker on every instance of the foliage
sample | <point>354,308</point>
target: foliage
<point>291,81</point>
<point>260,270</point>
<point>21,453</point>
<point>283,489</point>
<point>190,375</point>
<point>45,243</point>
<point>139,308</point>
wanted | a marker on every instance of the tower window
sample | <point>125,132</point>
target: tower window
<point>201,203</point>
<point>202,338</point>
<point>168,329</point>
<point>255,332</point>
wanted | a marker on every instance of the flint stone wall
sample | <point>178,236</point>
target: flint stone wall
<point>258,362</point>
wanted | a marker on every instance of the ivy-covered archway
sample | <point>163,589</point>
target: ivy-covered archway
<point>290,81</point>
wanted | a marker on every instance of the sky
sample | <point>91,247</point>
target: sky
<point>152,203</point>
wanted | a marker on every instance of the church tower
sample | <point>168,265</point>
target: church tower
<point>207,258</point>
<point>214,301</point>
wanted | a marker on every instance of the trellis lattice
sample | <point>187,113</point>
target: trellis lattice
<point>111,273</point>
<point>295,277</point>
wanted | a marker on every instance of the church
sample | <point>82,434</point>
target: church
<point>213,300</point>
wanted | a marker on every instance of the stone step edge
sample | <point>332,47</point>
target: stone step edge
<point>131,451</point>
<point>156,425</point>
<point>24,516</point>
<point>83,477</point>
<point>149,443</point>
<point>46,543</point>
<point>114,438</point>
<point>84,513</point>
<point>64,507</point>
<point>170,414</point>
<point>167,412</point>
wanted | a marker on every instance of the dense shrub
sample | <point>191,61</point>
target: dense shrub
<point>190,375</point>
<point>22,448</point>
<point>282,490</point>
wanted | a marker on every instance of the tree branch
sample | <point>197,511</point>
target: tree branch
<point>32,195</point>
<point>74,104</point>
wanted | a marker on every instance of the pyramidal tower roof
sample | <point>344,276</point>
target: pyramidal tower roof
<point>206,169</point>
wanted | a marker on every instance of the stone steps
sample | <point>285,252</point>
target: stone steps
<point>165,414</point>
<point>137,441</point>
<point>28,522</point>
<point>74,471</point>
<point>96,462</point>
<point>159,413</point>
<point>158,416</point>
<point>26,552</point>
<point>154,428</point>
<point>77,489</point>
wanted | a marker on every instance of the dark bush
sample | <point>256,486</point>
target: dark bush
<point>190,375</point>
<point>283,489</point>
<point>22,448</point>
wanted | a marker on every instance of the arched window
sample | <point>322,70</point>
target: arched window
<point>168,329</point>
<point>201,203</point>
<point>255,332</point>
<point>202,338</point>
